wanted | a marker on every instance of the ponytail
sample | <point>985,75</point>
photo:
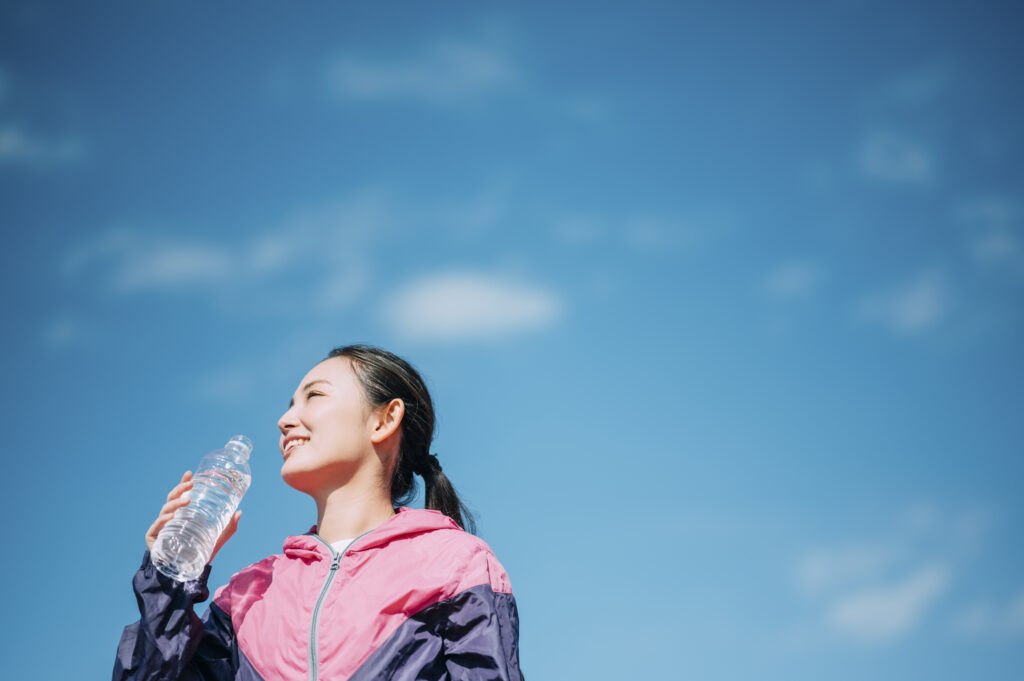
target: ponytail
<point>383,377</point>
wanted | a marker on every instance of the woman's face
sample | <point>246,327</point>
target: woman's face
<point>325,434</point>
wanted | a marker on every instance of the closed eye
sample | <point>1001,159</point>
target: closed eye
<point>313,393</point>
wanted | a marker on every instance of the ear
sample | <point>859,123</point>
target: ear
<point>387,421</point>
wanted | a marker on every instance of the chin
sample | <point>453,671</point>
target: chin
<point>315,480</point>
<point>298,478</point>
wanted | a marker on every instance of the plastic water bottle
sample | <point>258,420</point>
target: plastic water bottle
<point>184,545</point>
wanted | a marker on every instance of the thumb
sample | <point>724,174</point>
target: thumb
<point>228,532</point>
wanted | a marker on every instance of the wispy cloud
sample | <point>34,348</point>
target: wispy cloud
<point>476,215</point>
<point>578,229</point>
<point>62,332</point>
<point>887,612</point>
<point>989,213</point>
<point>911,307</point>
<point>467,306</point>
<point>881,590</point>
<point>171,264</point>
<point>226,386</point>
<point>992,620</point>
<point>920,517</point>
<point>328,247</point>
<point>19,146</point>
<point>135,261</point>
<point>892,157</point>
<point>24,147</point>
<point>443,72</point>
<point>978,618</point>
<point>993,225</point>
<point>824,569</point>
<point>922,84</point>
<point>643,232</point>
<point>791,280</point>
<point>1015,614</point>
<point>455,70</point>
<point>655,232</point>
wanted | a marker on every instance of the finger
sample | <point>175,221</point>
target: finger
<point>228,532</point>
<point>168,510</point>
<point>180,488</point>
<point>161,520</point>
<point>176,503</point>
<point>232,526</point>
<point>166,514</point>
<point>157,525</point>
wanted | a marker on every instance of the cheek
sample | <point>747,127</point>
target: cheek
<point>341,433</point>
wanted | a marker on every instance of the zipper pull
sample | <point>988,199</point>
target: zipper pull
<point>335,562</point>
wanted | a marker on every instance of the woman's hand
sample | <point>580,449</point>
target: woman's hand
<point>176,500</point>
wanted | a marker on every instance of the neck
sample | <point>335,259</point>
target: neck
<point>345,513</point>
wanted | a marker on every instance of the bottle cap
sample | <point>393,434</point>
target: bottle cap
<point>240,444</point>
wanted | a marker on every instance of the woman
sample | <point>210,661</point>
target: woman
<point>372,591</point>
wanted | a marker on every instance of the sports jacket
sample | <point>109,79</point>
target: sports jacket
<point>415,598</point>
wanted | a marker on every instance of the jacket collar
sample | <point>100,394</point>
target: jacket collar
<point>407,523</point>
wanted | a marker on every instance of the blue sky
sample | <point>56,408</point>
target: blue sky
<point>720,305</point>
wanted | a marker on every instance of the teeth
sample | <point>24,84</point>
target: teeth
<point>295,443</point>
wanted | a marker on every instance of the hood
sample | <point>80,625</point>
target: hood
<point>408,522</point>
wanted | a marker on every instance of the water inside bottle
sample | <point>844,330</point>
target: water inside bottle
<point>186,542</point>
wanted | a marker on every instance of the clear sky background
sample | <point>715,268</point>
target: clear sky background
<point>720,304</point>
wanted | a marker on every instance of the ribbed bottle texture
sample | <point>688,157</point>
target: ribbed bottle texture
<point>184,545</point>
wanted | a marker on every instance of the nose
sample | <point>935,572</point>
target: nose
<point>287,421</point>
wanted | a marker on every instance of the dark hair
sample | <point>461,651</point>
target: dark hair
<point>383,377</point>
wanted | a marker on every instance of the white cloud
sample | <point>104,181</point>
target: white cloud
<point>457,306</point>
<point>982,618</point>
<point>173,264</point>
<point>993,223</point>
<point>977,619</point>
<point>969,527</point>
<point>644,232</point>
<point>922,85</point>
<point>791,280</point>
<point>995,246</point>
<point>578,229</point>
<point>822,569</point>
<point>445,71</point>
<point>344,285</point>
<point>895,158</point>
<point>912,307</point>
<point>476,215</point>
<point>587,108</point>
<point>21,147</point>
<point>989,213</point>
<point>654,233</point>
<point>327,245</point>
<point>889,612</point>
<point>135,261</point>
<point>882,590</point>
<point>920,517</point>
<point>62,332</point>
<point>227,386</point>
<point>1015,614</point>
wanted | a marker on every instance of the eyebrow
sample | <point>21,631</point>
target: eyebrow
<point>291,402</point>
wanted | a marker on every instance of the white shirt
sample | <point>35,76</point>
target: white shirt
<point>342,544</point>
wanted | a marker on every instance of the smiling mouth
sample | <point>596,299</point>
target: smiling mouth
<point>292,444</point>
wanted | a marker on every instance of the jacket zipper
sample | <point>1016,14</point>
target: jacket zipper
<point>314,660</point>
<point>335,562</point>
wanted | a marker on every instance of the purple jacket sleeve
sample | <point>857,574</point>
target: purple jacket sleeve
<point>169,642</point>
<point>481,636</point>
